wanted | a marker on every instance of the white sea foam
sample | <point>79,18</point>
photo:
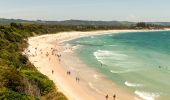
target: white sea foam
<point>147,95</point>
<point>132,84</point>
<point>83,41</point>
<point>119,72</point>
<point>91,86</point>
<point>111,45</point>
<point>91,36</point>
<point>104,55</point>
<point>95,76</point>
<point>67,51</point>
<point>76,47</point>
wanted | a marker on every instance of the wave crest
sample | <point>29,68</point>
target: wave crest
<point>147,95</point>
<point>103,56</point>
<point>132,84</point>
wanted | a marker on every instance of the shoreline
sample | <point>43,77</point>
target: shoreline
<point>52,44</point>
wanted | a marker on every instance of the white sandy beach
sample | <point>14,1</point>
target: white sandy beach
<point>43,52</point>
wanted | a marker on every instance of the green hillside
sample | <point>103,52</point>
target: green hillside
<point>19,79</point>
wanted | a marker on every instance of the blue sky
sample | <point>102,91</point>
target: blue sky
<point>122,10</point>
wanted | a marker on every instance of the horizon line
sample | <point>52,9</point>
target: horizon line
<point>78,20</point>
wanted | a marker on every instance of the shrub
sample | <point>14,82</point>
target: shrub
<point>6,94</point>
<point>42,81</point>
<point>11,79</point>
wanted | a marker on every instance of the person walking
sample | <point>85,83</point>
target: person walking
<point>107,96</point>
<point>52,71</point>
<point>114,97</point>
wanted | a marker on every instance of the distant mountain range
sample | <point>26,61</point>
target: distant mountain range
<point>78,22</point>
<point>94,23</point>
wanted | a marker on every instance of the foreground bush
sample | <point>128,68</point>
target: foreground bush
<point>19,80</point>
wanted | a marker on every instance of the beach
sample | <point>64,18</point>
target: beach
<point>55,59</point>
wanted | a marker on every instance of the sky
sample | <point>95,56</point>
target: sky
<point>106,10</point>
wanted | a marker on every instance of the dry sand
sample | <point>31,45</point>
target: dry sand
<point>43,52</point>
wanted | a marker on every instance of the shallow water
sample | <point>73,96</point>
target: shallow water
<point>137,61</point>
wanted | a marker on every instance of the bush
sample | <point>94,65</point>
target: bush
<point>42,81</point>
<point>6,94</point>
<point>11,79</point>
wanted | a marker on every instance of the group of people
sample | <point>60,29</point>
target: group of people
<point>68,72</point>
<point>59,57</point>
<point>107,97</point>
<point>77,78</point>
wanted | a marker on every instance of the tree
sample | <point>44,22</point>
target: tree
<point>141,24</point>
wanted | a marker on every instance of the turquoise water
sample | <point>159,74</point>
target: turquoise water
<point>137,61</point>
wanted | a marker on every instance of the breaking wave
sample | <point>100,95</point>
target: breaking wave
<point>104,56</point>
<point>147,95</point>
<point>132,84</point>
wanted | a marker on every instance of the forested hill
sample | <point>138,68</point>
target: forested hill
<point>93,23</point>
<point>78,22</point>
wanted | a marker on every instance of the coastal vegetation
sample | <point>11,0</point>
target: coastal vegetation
<point>143,25</point>
<point>19,79</point>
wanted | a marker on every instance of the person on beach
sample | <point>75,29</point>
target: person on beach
<point>114,97</point>
<point>68,72</point>
<point>52,71</point>
<point>101,64</point>
<point>78,79</point>
<point>107,96</point>
<point>58,55</point>
<point>47,54</point>
<point>52,52</point>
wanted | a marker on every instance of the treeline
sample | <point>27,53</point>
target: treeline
<point>143,25</point>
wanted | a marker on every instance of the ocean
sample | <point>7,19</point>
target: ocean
<point>136,61</point>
